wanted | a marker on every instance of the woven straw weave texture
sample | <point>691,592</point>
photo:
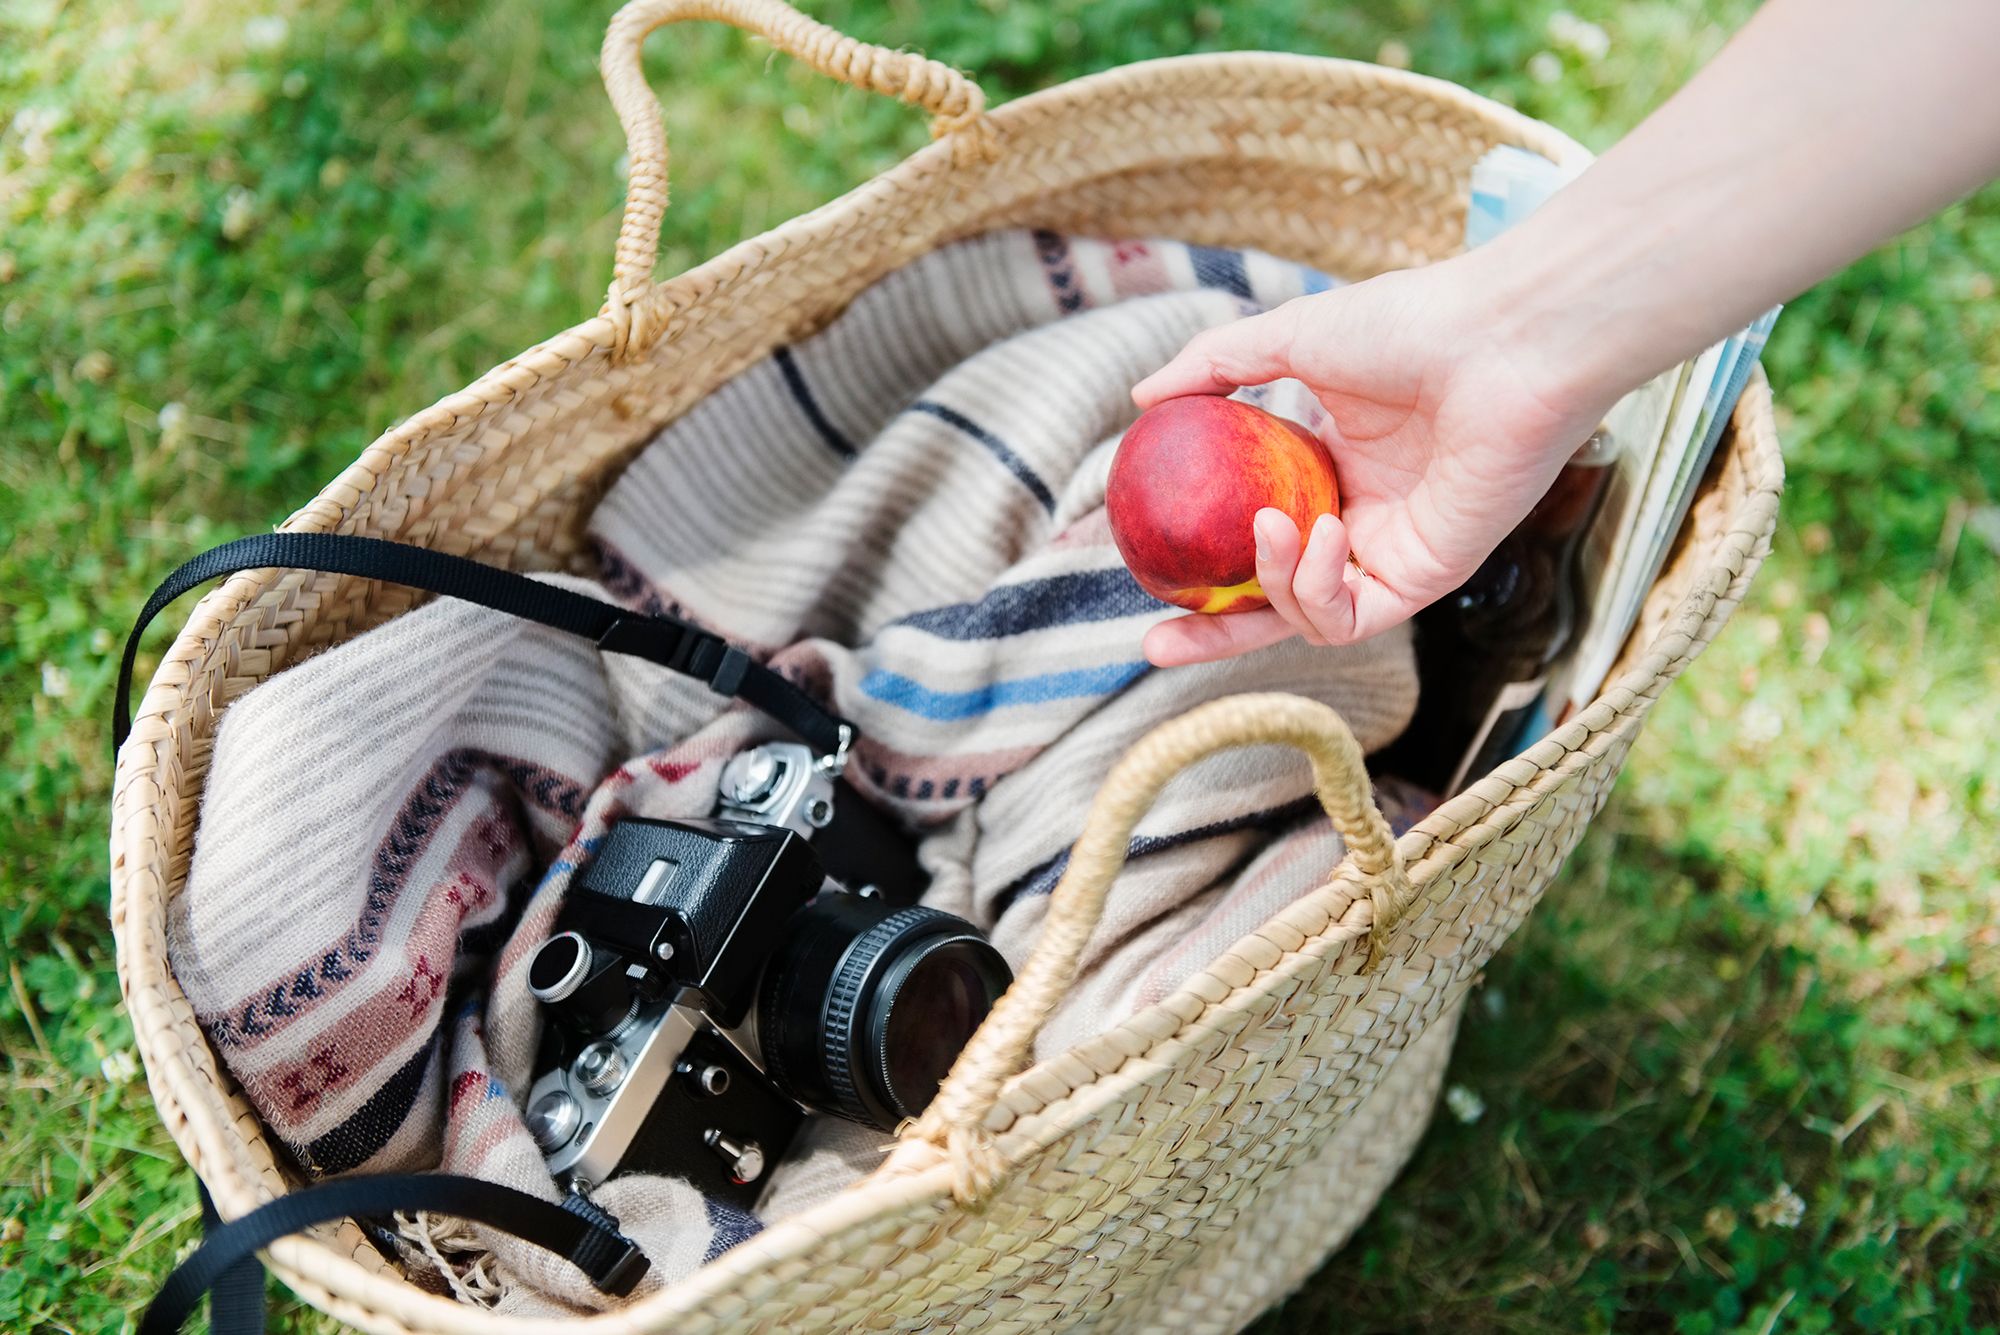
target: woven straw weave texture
<point>1191,1166</point>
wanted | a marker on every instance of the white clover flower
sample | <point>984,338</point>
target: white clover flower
<point>1785,1209</point>
<point>173,416</point>
<point>1580,36</point>
<point>121,1067</point>
<point>55,681</point>
<point>1544,67</point>
<point>1465,1105</point>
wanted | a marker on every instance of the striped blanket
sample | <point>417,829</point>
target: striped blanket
<point>905,514</point>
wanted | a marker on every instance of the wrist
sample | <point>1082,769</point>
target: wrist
<point>1539,314</point>
<point>1609,284</point>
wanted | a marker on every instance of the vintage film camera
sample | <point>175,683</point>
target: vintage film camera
<point>707,985</point>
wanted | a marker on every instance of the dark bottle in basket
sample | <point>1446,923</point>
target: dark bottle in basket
<point>1485,649</point>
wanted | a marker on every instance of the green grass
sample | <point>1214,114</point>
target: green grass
<point>233,249</point>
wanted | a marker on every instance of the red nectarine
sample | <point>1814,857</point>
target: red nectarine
<point>1188,479</point>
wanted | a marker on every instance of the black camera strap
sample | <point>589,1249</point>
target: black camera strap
<point>577,1230</point>
<point>665,640</point>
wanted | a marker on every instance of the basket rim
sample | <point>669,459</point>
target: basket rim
<point>218,1149</point>
<point>1043,1104</point>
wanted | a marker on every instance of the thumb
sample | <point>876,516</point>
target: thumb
<point>1252,351</point>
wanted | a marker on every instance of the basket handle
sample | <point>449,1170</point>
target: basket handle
<point>955,1120</point>
<point>954,102</point>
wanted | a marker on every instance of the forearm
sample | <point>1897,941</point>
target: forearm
<point>1824,128</point>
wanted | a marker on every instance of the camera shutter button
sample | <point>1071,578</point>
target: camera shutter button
<point>600,1067</point>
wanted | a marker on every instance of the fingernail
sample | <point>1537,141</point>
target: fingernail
<point>1263,543</point>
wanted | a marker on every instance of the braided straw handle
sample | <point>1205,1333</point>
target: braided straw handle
<point>955,1120</point>
<point>954,102</point>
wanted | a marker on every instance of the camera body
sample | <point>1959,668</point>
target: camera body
<point>708,986</point>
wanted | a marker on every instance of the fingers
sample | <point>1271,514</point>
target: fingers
<point>1341,602</point>
<point>1320,583</point>
<point>1316,594</point>
<point>1203,639</point>
<point>1279,548</point>
<point>1222,360</point>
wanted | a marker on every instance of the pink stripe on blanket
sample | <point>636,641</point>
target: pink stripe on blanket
<point>1137,270</point>
<point>473,1130</point>
<point>473,891</point>
<point>410,1000</point>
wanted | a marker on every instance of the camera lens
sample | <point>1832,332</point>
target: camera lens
<point>925,1018</point>
<point>864,1007</point>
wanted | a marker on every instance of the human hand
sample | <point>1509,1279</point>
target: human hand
<point>1445,428</point>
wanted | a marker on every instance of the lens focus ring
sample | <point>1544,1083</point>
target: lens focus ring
<point>845,996</point>
<point>863,1007</point>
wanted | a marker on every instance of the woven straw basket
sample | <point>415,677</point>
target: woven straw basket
<point>1193,1165</point>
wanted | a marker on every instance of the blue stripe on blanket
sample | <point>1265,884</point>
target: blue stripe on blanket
<point>999,448</point>
<point>1041,880</point>
<point>803,396</point>
<point>1038,604</point>
<point>914,697</point>
<point>1215,267</point>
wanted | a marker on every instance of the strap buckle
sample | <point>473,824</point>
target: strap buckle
<point>694,652</point>
<point>613,1261</point>
<point>835,765</point>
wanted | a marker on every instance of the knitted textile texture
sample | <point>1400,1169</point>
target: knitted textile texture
<point>905,514</point>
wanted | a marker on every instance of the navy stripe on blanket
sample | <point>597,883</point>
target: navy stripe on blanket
<point>730,1226</point>
<point>1052,248</point>
<point>1038,604</point>
<point>1041,880</point>
<point>358,1139</point>
<point>802,395</point>
<point>1218,268</point>
<point>999,448</point>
